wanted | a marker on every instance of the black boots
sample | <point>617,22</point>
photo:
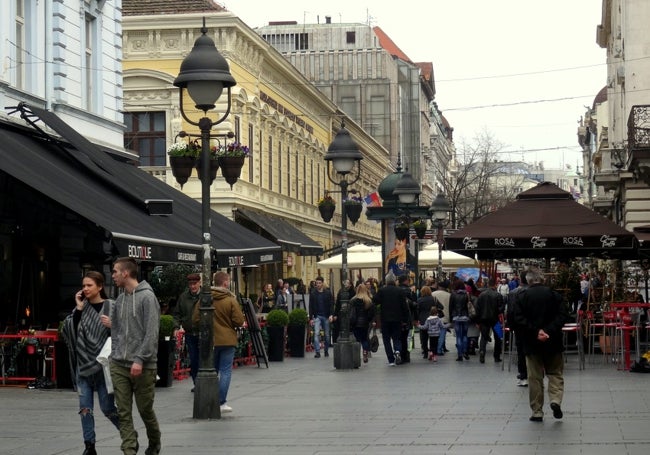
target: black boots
<point>90,449</point>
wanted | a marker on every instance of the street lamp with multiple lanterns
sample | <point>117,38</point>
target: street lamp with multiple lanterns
<point>439,209</point>
<point>344,155</point>
<point>205,73</point>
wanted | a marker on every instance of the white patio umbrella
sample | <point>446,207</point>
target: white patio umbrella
<point>359,257</point>
<point>428,257</point>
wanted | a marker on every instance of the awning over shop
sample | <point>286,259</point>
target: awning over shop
<point>289,237</point>
<point>144,217</point>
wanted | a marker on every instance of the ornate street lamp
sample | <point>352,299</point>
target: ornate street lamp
<point>407,190</point>
<point>344,155</point>
<point>205,73</point>
<point>439,209</point>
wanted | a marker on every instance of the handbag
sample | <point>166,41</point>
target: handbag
<point>471,309</point>
<point>374,341</point>
<point>103,359</point>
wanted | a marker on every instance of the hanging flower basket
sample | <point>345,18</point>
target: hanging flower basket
<point>326,212</point>
<point>420,228</point>
<point>353,207</point>
<point>182,167</point>
<point>214,167</point>
<point>231,168</point>
<point>182,157</point>
<point>326,206</point>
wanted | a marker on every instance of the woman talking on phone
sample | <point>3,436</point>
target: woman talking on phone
<point>85,336</point>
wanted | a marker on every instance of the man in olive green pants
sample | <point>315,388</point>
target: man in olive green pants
<point>134,323</point>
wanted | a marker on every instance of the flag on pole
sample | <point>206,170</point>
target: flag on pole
<point>372,200</point>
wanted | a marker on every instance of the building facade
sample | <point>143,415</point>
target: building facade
<point>370,78</point>
<point>620,120</point>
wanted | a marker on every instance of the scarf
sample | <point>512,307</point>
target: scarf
<point>87,341</point>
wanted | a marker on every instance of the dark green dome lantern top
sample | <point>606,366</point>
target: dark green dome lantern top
<point>204,73</point>
<point>387,187</point>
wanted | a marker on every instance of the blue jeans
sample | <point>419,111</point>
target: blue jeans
<point>391,331</point>
<point>460,329</point>
<point>325,323</point>
<point>86,385</point>
<point>223,358</point>
<point>441,342</point>
<point>192,343</point>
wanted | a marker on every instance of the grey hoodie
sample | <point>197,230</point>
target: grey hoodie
<point>135,321</point>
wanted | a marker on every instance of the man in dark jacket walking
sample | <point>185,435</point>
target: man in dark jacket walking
<point>522,371</point>
<point>411,298</point>
<point>489,306</point>
<point>539,316</point>
<point>394,314</point>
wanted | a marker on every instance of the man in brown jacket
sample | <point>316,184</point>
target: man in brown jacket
<point>227,317</point>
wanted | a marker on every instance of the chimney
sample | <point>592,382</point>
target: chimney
<point>328,19</point>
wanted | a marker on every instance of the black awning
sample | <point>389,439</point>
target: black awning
<point>286,235</point>
<point>57,174</point>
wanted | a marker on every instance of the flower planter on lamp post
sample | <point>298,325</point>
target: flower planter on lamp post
<point>326,206</point>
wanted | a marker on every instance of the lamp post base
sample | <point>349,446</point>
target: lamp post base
<point>347,355</point>
<point>206,396</point>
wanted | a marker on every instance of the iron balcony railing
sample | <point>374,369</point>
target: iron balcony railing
<point>638,128</point>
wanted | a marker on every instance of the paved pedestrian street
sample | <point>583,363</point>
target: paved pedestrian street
<point>305,406</point>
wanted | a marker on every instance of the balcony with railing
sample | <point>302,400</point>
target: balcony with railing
<point>638,129</point>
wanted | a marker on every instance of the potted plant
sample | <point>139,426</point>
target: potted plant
<point>182,157</point>
<point>214,164</point>
<point>166,350</point>
<point>276,321</point>
<point>231,159</point>
<point>296,331</point>
<point>353,207</point>
<point>326,206</point>
<point>420,227</point>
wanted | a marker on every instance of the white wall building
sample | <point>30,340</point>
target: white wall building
<point>66,57</point>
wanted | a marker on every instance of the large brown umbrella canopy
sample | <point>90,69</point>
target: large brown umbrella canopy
<point>544,221</point>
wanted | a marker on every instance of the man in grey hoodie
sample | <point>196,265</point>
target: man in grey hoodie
<point>134,323</point>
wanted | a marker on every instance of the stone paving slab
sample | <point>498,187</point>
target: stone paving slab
<point>305,406</point>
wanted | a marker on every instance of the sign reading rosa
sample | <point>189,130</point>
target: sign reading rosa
<point>504,241</point>
<point>572,241</point>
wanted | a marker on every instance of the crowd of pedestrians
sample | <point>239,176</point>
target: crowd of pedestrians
<point>477,317</point>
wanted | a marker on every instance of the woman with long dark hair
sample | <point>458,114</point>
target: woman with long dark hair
<point>85,336</point>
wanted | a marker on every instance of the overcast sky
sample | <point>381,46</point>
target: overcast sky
<point>522,70</point>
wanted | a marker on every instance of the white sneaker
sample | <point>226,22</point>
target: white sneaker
<point>522,383</point>
<point>225,408</point>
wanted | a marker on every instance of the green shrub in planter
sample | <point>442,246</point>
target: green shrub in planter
<point>276,321</point>
<point>166,350</point>
<point>277,318</point>
<point>166,326</point>
<point>298,320</point>
<point>298,317</point>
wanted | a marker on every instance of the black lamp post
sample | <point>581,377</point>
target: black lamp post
<point>344,155</point>
<point>439,209</point>
<point>205,73</point>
